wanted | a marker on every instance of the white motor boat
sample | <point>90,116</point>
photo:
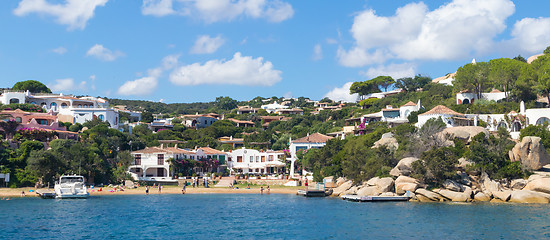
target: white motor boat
<point>72,186</point>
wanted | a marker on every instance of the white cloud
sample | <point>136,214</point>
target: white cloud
<point>103,53</point>
<point>60,50</point>
<point>241,70</point>
<point>206,44</point>
<point>67,84</point>
<point>157,8</point>
<point>74,13</point>
<point>141,86</point>
<point>395,71</point>
<point>332,41</point>
<point>317,52</point>
<point>531,34</point>
<point>220,10</point>
<point>342,94</point>
<point>148,84</point>
<point>457,29</point>
<point>92,78</point>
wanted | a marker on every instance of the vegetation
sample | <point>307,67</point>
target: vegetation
<point>32,86</point>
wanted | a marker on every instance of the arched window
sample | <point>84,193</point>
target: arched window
<point>18,119</point>
<point>53,106</point>
<point>466,101</point>
<point>33,103</point>
<point>64,105</point>
<point>101,117</point>
<point>42,104</point>
<point>516,127</point>
<point>79,105</point>
<point>14,100</point>
<point>502,125</point>
<point>543,120</point>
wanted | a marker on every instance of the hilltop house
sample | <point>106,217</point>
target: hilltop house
<point>467,97</point>
<point>449,117</point>
<point>242,123</point>
<point>315,140</point>
<point>198,121</point>
<point>251,161</point>
<point>273,107</point>
<point>68,108</point>
<point>246,109</point>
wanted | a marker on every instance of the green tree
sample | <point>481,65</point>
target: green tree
<point>436,165</point>
<point>504,72</point>
<point>547,50</point>
<point>383,82</point>
<point>45,165</point>
<point>32,85</point>
<point>541,66</point>
<point>9,127</point>
<point>409,84</point>
<point>364,88</point>
<point>147,117</point>
<point>473,77</point>
<point>226,103</point>
<point>520,58</point>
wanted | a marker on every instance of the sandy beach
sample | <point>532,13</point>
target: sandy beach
<point>16,192</point>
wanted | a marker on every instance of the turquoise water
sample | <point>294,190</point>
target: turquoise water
<point>275,216</point>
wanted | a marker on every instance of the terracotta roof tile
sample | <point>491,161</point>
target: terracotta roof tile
<point>440,109</point>
<point>409,104</point>
<point>313,138</point>
<point>211,151</point>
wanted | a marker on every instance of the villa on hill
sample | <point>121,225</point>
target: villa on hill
<point>258,162</point>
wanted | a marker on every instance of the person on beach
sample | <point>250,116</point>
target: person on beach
<point>23,193</point>
<point>193,182</point>
<point>268,190</point>
<point>146,190</point>
<point>160,188</point>
<point>183,188</point>
<point>261,190</point>
<point>247,186</point>
<point>305,184</point>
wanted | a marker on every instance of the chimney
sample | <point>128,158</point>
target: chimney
<point>176,146</point>
<point>162,146</point>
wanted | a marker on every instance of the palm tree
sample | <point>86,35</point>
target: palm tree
<point>9,127</point>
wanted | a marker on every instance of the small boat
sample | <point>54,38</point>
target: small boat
<point>71,186</point>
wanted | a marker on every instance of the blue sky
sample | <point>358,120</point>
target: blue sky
<point>196,50</point>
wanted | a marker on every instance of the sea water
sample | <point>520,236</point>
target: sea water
<point>254,216</point>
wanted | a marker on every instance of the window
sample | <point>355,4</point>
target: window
<point>239,158</point>
<point>14,100</point>
<point>33,103</point>
<point>251,159</point>
<point>18,119</point>
<point>42,121</point>
<point>53,106</point>
<point>270,158</point>
<point>101,117</point>
<point>257,158</point>
<point>79,105</point>
<point>160,159</point>
<point>263,158</point>
<point>64,105</point>
<point>137,159</point>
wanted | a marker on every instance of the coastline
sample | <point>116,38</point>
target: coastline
<point>16,192</point>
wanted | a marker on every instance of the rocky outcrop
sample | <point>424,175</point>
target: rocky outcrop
<point>482,197</point>
<point>404,167</point>
<point>368,191</point>
<point>385,184</point>
<point>129,184</point>
<point>387,140</point>
<point>342,188</point>
<point>526,196</point>
<point>404,184</point>
<point>502,195</point>
<point>488,185</point>
<point>530,152</point>
<point>456,196</point>
<point>340,181</point>
<point>465,133</point>
<point>432,196</point>
<point>539,185</point>
<point>464,163</point>
<point>453,186</point>
<point>518,184</point>
<point>351,191</point>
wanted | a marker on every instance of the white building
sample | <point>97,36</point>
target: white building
<point>69,108</point>
<point>315,140</point>
<point>467,97</point>
<point>449,117</point>
<point>251,161</point>
<point>273,107</point>
<point>381,95</point>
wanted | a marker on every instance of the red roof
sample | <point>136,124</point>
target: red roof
<point>440,109</point>
<point>313,138</point>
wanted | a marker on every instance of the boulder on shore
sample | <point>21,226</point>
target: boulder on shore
<point>539,185</point>
<point>531,153</point>
<point>518,184</point>
<point>342,188</point>
<point>368,191</point>
<point>488,185</point>
<point>428,194</point>
<point>404,167</point>
<point>340,181</point>
<point>455,196</point>
<point>465,133</point>
<point>527,196</point>
<point>482,197</point>
<point>351,191</point>
<point>502,195</point>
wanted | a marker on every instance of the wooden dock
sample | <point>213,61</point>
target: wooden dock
<point>356,198</point>
<point>46,194</point>
<point>312,193</point>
